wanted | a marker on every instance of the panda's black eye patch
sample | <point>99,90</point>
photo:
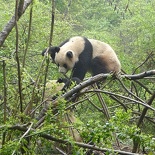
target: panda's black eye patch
<point>65,66</point>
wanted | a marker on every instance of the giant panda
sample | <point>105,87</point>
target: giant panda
<point>82,55</point>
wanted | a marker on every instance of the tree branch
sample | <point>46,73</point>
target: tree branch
<point>5,99</point>
<point>9,26</point>
<point>18,62</point>
<point>124,97</point>
<point>140,75</point>
<point>148,57</point>
<point>29,31</point>
<point>101,77</point>
<point>20,7</point>
<point>50,43</point>
<point>94,79</point>
<point>145,110</point>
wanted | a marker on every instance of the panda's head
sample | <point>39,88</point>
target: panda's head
<point>52,51</point>
<point>65,59</point>
<point>67,55</point>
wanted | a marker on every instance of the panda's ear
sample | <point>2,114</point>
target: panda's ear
<point>69,54</point>
<point>57,49</point>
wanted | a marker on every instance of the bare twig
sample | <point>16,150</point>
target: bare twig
<point>143,86</point>
<point>148,57</point>
<point>5,99</point>
<point>124,97</point>
<point>30,105</point>
<point>50,43</point>
<point>129,92</point>
<point>5,89</point>
<point>116,99</point>
<point>62,152</point>
<point>18,62</point>
<point>52,22</point>
<point>29,34</point>
<point>145,110</point>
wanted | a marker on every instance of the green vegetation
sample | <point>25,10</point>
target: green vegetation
<point>129,27</point>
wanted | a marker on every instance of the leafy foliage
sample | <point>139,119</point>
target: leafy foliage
<point>128,27</point>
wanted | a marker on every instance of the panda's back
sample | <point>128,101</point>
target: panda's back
<point>76,44</point>
<point>101,48</point>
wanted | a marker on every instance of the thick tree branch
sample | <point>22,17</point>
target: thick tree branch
<point>140,75</point>
<point>9,26</point>
<point>94,79</point>
<point>20,7</point>
<point>101,77</point>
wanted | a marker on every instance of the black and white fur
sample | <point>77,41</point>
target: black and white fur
<point>51,51</point>
<point>82,55</point>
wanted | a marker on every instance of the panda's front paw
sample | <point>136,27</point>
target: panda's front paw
<point>62,80</point>
<point>68,82</point>
<point>76,80</point>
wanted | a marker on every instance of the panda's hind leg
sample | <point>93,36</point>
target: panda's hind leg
<point>98,65</point>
